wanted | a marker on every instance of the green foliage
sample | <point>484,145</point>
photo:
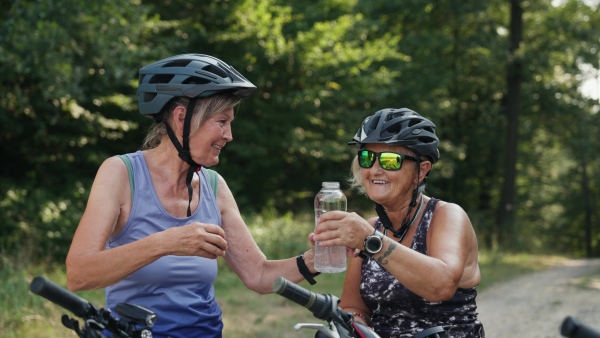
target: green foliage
<point>40,222</point>
<point>281,236</point>
<point>69,73</point>
<point>65,71</point>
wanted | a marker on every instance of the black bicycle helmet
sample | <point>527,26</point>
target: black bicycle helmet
<point>400,127</point>
<point>187,75</point>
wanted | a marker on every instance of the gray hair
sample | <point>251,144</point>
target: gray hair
<point>206,108</point>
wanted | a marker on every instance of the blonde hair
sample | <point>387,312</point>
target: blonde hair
<point>205,109</point>
<point>356,179</point>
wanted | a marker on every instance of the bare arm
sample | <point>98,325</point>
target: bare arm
<point>244,256</point>
<point>351,300</point>
<point>452,253</point>
<point>90,266</point>
<point>451,261</point>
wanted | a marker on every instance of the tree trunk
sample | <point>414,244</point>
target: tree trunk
<point>506,208</point>
<point>586,202</point>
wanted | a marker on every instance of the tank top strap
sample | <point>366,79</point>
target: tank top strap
<point>419,243</point>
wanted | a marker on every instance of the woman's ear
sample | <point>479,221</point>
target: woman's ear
<point>178,119</point>
<point>424,170</point>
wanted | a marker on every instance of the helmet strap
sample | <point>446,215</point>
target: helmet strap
<point>406,224</point>
<point>184,150</point>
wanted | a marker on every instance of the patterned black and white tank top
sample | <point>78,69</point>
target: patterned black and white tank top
<point>398,312</point>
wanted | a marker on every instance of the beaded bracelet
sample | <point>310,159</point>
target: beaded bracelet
<point>360,315</point>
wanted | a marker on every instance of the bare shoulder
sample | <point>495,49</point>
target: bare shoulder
<point>450,217</point>
<point>113,165</point>
<point>230,213</point>
<point>112,178</point>
<point>450,210</point>
<point>109,194</point>
<point>224,194</point>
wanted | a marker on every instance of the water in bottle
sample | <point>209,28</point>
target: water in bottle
<point>332,258</point>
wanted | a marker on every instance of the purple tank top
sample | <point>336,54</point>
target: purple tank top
<point>179,289</point>
<point>398,312</point>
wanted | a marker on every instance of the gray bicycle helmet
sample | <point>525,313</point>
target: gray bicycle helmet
<point>187,75</point>
<point>400,127</point>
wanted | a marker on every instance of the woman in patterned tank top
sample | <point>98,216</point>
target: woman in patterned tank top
<point>415,265</point>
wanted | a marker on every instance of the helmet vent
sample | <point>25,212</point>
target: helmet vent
<point>373,123</point>
<point>195,80</point>
<point>413,122</point>
<point>215,70</point>
<point>392,116</point>
<point>177,63</point>
<point>394,129</point>
<point>426,140</point>
<point>149,96</point>
<point>161,78</point>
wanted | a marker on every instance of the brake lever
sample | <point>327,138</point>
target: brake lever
<point>332,333</point>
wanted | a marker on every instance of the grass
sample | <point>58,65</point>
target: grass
<point>23,314</point>
<point>245,313</point>
<point>497,267</point>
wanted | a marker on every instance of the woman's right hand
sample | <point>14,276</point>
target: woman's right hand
<point>195,239</point>
<point>340,228</point>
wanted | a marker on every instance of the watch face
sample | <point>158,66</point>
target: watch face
<point>374,244</point>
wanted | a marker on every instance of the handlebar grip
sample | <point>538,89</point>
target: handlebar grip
<point>318,304</point>
<point>60,296</point>
<point>572,328</point>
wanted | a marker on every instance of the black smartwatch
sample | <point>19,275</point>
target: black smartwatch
<point>373,244</point>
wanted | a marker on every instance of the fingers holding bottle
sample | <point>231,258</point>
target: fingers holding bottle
<point>339,228</point>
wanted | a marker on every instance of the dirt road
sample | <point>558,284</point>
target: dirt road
<point>535,305</point>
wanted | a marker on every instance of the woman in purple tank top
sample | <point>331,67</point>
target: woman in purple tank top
<point>155,221</point>
<point>415,265</point>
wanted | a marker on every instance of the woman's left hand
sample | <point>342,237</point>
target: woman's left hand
<point>340,228</point>
<point>309,256</point>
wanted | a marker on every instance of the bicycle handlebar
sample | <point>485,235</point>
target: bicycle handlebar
<point>135,321</point>
<point>318,304</point>
<point>60,296</point>
<point>572,328</point>
<point>324,307</point>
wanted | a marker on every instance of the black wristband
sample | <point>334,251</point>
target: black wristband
<point>304,270</point>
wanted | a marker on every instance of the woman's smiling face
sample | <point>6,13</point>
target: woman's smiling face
<point>387,187</point>
<point>211,137</point>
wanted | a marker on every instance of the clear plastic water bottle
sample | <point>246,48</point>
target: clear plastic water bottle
<point>332,258</point>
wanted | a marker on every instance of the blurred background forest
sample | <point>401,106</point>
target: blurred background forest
<point>513,87</point>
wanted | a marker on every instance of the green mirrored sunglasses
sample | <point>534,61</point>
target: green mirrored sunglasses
<point>387,160</point>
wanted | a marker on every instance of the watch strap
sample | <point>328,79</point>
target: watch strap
<point>304,270</point>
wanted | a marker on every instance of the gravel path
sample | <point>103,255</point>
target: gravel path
<point>535,305</point>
